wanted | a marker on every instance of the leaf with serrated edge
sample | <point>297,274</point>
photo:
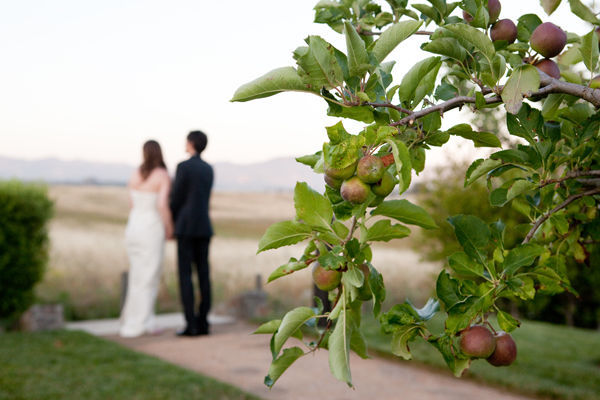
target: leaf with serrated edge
<point>392,37</point>
<point>475,37</point>
<point>403,164</point>
<point>292,266</point>
<point>281,364</point>
<point>407,212</point>
<point>285,79</point>
<point>473,235</point>
<point>268,327</point>
<point>521,256</point>
<point>291,322</point>
<point>384,231</point>
<point>358,58</point>
<point>550,5</point>
<point>583,12</point>
<point>524,79</point>
<point>339,349</point>
<point>589,50</point>
<point>401,338</point>
<point>507,322</point>
<point>462,264</point>
<point>311,207</point>
<point>283,233</point>
<point>479,168</point>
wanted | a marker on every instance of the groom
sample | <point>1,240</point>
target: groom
<point>189,205</point>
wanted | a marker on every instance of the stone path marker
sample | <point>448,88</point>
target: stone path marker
<point>232,354</point>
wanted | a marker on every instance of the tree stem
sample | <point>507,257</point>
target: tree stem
<point>559,207</point>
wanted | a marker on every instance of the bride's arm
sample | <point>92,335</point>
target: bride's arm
<point>163,204</point>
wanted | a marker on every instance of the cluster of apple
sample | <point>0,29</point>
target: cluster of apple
<point>547,39</point>
<point>499,349</point>
<point>356,181</point>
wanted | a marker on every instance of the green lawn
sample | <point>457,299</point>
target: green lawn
<point>75,365</point>
<point>553,361</point>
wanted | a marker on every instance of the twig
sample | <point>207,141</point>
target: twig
<point>389,105</point>
<point>352,229</point>
<point>456,102</point>
<point>548,85</point>
<point>559,207</point>
<point>428,33</point>
<point>570,175</point>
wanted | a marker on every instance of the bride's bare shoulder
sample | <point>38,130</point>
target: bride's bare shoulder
<point>135,179</point>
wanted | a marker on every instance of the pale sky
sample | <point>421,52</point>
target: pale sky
<point>93,80</point>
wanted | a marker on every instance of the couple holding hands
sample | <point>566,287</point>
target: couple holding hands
<point>160,211</point>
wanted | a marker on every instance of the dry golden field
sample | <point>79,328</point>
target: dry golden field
<point>87,254</point>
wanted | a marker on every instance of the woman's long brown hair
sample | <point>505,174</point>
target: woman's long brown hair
<point>152,158</point>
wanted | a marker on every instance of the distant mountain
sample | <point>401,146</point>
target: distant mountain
<point>274,175</point>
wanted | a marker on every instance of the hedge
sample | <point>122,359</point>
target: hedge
<point>25,210</point>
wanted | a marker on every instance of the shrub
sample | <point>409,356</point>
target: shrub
<point>24,213</point>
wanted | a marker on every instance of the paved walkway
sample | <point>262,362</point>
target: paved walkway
<point>232,354</point>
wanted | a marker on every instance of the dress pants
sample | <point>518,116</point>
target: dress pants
<point>194,251</point>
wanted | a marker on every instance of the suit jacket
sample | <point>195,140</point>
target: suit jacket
<point>190,197</point>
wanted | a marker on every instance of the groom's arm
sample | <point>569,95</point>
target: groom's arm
<point>178,191</point>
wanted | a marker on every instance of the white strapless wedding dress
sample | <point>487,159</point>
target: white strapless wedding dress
<point>145,242</point>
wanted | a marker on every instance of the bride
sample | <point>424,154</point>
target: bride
<point>148,226</point>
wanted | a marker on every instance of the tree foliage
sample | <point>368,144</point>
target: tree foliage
<point>24,213</point>
<point>550,178</point>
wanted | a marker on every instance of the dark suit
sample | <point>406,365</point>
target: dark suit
<point>189,205</point>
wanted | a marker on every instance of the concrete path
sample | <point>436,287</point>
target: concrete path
<point>102,327</point>
<point>232,354</point>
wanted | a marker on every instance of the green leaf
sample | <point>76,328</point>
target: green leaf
<point>317,64</point>
<point>283,233</point>
<point>280,365</point>
<point>358,59</point>
<point>473,235</point>
<point>403,164</point>
<point>589,50</point>
<point>384,231</point>
<point>479,168</point>
<point>291,322</point>
<point>310,159</point>
<point>463,313</point>
<point>273,82</point>
<point>339,349</point>
<point>446,289</point>
<point>377,288</point>
<point>401,338</point>
<point>353,277</point>
<point>507,322</point>
<point>407,212</point>
<point>519,187</point>
<point>446,46</point>
<point>521,256</point>
<point>392,37</point>
<point>475,37</point>
<point>358,344</point>
<point>311,207</point>
<point>522,287</point>
<point>480,139</point>
<point>524,79</point>
<point>445,346</point>
<point>268,327</point>
<point>583,12</point>
<point>462,264</point>
<point>414,77</point>
<point>550,5</point>
<point>292,266</point>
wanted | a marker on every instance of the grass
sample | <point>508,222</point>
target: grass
<point>75,365</point>
<point>88,255</point>
<point>553,361</point>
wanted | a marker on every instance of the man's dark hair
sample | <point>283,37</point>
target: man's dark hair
<point>198,140</point>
